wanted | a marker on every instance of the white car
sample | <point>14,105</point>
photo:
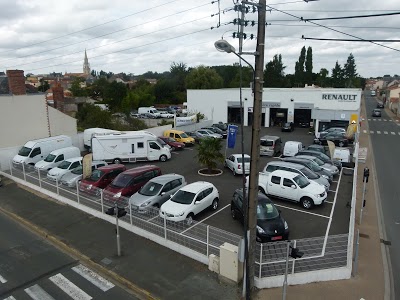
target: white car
<point>190,200</point>
<point>208,133</point>
<point>234,162</point>
<point>165,114</point>
<point>72,177</point>
<point>55,174</point>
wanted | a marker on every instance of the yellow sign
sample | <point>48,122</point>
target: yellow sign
<point>353,117</point>
<point>87,165</point>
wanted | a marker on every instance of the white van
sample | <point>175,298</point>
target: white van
<point>291,148</point>
<point>56,157</point>
<point>88,133</point>
<point>128,146</point>
<point>65,166</point>
<point>36,150</point>
<point>149,112</point>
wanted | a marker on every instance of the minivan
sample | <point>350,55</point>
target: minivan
<point>291,148</point>
<point>129,182</point>
<point>56,157</point>
<point>179,136</point>
<point>270,145</point>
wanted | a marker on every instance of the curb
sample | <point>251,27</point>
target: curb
<point>133,289</point>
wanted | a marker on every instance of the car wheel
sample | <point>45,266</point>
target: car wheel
<point>307,203</point>
<point>116,161</point>
<point>260,189</point>
<point>163,158</point>
<point>341,144</point>
<point>225,165</point>
<point>234,171</point>
<point>214,204</point>
<point>233,214</point>
<point>189,219</point>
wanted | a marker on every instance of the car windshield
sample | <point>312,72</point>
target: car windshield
<point>301,181</point>
<point>150,189</point>
<point>78,170</point>
<point>161,142</point>
<point>24,151</point>
<point>50,158</point>
<point>246,160</point>
<point>183,197</point>
<point>309,174</point>
<point>122,180</point>
<point>184,135</point>
<point>171,140</point>
<point>266,211</point>
<point>266,143</point>
<point>318,161</point>
<point>96,175</point>
<point>314,166</point>
<point>286,124</point>
<point>64,165</point>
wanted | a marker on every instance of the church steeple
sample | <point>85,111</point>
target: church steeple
<point>86,65</point>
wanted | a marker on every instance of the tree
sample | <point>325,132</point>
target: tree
<point>350,72</point>
<point>76,89</point>
<point>322,77</point>
<point>90,116</point>
<point>309,67</point>
<point>203,78</point>
<point>113,94</point>
<point>337,76</point>
<point>44,85</point>
<point>274,75</point>
<point>299,68</point>
<point>209,153</point>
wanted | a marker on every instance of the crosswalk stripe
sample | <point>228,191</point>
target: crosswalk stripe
<point>394,133</point>
<point>10,298</point>
<point>369,119</point>
<point>94,278</point>
<point>364,131</point>
<point>373,119</point>
<point>37,293</point>
<point>378,132</point>
<point>2,279</point>
<point>385,132</point>
<point>384,120</point>
<point>69,288</point>
<point>379,119</point>
<point>371,131</point>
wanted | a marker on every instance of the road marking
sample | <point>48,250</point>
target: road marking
<point>2,279</point>
<point>175,152</point>
<point>378,132</point>
<point>299,210</point>
<point>373,119</point>
<point>364,131</point>
<point>93,277</point>
<point>369,119</point>
<point>69,288</point>
<point>371,131</point>
<point>332,191</point>
<point>190,149</point>
<point>385,132</point>
<point>37,293</point>
<point>205,218</point>
<point>394,133</point>
<point>379,119</point>
<point>330,202</point>
<point>384,120</point>
<point>334,181</point>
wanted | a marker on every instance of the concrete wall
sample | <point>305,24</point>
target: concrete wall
<point>6,154</point>
<point>61,123</point>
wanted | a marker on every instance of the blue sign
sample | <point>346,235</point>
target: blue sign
<point>232,132</point>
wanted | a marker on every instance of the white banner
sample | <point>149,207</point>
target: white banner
<point>182,121</point>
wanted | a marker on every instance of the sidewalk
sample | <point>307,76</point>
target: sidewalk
<point>157,272</point>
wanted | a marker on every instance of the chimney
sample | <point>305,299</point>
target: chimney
<point>58,96</point>
<point>16,82</point>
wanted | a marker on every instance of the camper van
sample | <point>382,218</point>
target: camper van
<point>56,157</point>
<point>36,150</point>
<point>128,146</point>
<point>88,133</point>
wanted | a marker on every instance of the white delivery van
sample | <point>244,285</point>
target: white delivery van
<point>88,133</point>
<point>128,146</point>
<point>36,150</point>
<point>56,157</point>
<point>291,148</point>
<point>149,112</point>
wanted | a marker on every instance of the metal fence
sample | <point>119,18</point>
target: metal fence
<point>199,237</point>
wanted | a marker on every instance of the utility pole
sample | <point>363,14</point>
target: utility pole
<point>255,139</point>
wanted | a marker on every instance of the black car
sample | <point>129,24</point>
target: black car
<point>379,105</point>
<point>195,135</point>
<point>376,113</point>
<point>338,138</point>
<point>304,123</point>
<point>220,125</point>
<point>217,130</point>
<point>332,130</point>
<point>319,148</point>
<point>270,224</point>
<point>309,164</point>
<point>288,126</point>
<point>325,158</point>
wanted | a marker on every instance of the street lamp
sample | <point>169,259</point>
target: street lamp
<point>224,46</point>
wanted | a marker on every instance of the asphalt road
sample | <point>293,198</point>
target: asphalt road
<point>386,147</point>
<point>30,268</point>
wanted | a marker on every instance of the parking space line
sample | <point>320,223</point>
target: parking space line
<point>385,132</point>
<point>205,219</point>
<point>330,202</point>
<point>393,133</point>
<point>149,220</point>
<point>335,181</point>
<point>332,191</point>
<point>2,279</point>
<point>306,212</point>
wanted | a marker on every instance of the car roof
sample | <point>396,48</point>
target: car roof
<point>308,151</point>
<point>239,155</point>
<point>286,163</point>
<point>73,159</point>
<point>141,169</point>
<point>309,157</point>
<point>283,173</point>
<point>165,178</point>
<point>261,197</point>
<point>269,137</point>
<point>197,186</point>
<point>112,167</point>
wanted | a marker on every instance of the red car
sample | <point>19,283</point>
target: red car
<point>100,178</point>
<point>129,182</point>
<point>172,143</point>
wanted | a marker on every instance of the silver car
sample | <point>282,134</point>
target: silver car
<point>208,133</point>
<point>157,191</point>
<point>71,178</point>
<point>328,167</point>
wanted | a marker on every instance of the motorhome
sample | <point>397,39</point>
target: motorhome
<point>36,150</point>
<point>88,133</point>
<point>128,146</point>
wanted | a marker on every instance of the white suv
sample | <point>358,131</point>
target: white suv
<point>189,201</point>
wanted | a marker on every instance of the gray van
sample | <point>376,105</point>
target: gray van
<point>270,145</point>
<point>296,168</point>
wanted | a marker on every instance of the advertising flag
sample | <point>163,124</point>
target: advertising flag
<point>232,132</point>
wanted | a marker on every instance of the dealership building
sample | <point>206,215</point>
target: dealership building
<point>319,107</point>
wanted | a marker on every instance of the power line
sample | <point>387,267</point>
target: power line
<point>338,31</point>
<point>87,28</point>
<point>120,30</point>
<point>334,26</point>
<point>349,40</point>
<point>354,17</point>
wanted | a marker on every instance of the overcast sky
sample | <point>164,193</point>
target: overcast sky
<point>41,36</point>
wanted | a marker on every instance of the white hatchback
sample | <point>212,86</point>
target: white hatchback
<point>234,162</point>
<point>55,174</point>
<point>190,200</point>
